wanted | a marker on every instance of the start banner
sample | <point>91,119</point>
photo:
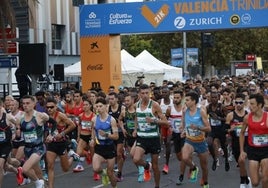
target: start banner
<point>171,16</point>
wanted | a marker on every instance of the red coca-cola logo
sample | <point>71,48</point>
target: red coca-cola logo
<point>95,67</point>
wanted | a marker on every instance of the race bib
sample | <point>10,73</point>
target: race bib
<point>215,122</point>
<point>130,124</point>
<point>2,136</point>
<point>30,137</point>
<point>260,140</point>
<point>176,125</point>
<point>86,125</point>
<point>103,137</point>
<point>192,132</point>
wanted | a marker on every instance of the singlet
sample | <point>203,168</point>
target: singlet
<point>58,129</point>
<point>86,122</point>
<point>115,114</point>
<point>5,130</point>
<point>237,121</point>
<point>32,132</point>
<point>17,116</point>
<point>164,106</point>
<point>77,110</point>
<point>106,127</point>
<point>146,130</point>
<point>196,119</point>
<point>215,122</point>
<point>129,122</point>
<point>258,131</point>
<point>175,119</point>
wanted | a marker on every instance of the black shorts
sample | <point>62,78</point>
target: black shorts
<point>17,144</point>
<point>130,141</point>
<point>86,138</point>
<point>178,142</point>
<point>120,139</point>
<point>150,145</point>
<point>236,147</point>
<point>5,149</point>
<point>257,153</point>
<point>218,132</point>
<point>106,151</point>
<point>57,147</point>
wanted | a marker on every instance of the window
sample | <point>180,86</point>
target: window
<point>57,32</point>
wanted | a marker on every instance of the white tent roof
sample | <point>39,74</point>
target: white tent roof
<point>73,70</point>
<point>128,63</point>
<point>171,73</point>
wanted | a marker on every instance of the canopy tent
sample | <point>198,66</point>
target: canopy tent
<point>170,73</point>
<point>132,67</point>
<point>129,76</point>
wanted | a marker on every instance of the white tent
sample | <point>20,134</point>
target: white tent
<point>170,73</point>
<point>131,69</point>
<point>129,76</point>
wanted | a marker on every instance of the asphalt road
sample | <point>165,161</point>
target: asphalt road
<point>217,179</point>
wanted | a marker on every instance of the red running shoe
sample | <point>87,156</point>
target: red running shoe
<point>96,176</point>
<point>19,176</point>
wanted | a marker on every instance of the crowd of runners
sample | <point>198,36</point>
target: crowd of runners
<point>211,118</point>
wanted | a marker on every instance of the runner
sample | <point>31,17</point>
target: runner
<point>166,132</point>
<point>148,119</point>
<point>195,122</point>
<point>216,138</point>
<point>105,132</point>
<point>174,114</point>
<point>32,127</point>
<point>6,123</point>
<point>84,132</point>
<point>257,124</point>
<point>116,109</point>
<point>234,122</point>
<point>56,140</point>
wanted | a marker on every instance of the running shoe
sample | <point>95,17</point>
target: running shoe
<point>220,151</point>
<point>78,168</point>
<point>19,176</point>
<point>194,173</point>
<point>40,184</point>
<point>45,175</point>
<point>74,144</point>
<point>74,155</point>
<point>165,169</point>
<point>214,164</point>
<point>206,186</point>
<point>180,180</point>
<point>227,166</point>
<point>26,181</point>
<point>119,177</point>
<point>244,185</point>
<point>141,174</point>
<point>96,176</point>
<point>104,177</point>
<point>147,173</point>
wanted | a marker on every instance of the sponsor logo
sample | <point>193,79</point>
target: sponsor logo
<point>94,45</point>
<point>205,21</point>
<point>95,85</point>
<point>120,19</point>
<point>94,48</point>
<point>179,22</point>
<point>246,19</point>
<point>234,19</point>
<point>96,67</point>
<point>92,21</point>
<point>155,18</point>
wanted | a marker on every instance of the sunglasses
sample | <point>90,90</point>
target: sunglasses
<point>239,102</point>
<point>50,107</point>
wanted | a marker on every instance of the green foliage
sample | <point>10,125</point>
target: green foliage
<point>228,45</point>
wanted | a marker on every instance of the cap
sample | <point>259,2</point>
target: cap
<point>252,83</point>
<point>121,88</point>
<point>223,84</point>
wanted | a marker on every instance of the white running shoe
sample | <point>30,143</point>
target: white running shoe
<point>74,155</point>
<point>78,168</point>
<point>40,184</point>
